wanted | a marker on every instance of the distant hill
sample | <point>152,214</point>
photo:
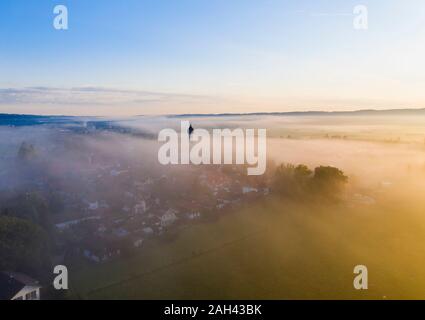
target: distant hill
<point>365,112</point>
<point>76,124</point>
<point>17,120</point>
<point>31,120</point>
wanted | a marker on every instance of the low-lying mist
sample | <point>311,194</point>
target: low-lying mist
<point>112,171</point>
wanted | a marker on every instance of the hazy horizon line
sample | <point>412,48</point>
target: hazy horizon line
<point>177,115</point>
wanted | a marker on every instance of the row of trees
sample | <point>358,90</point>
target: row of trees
<point>324,182</point>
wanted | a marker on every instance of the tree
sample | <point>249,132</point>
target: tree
<point>23,246</point>
<point>283,179</point>
<point>328,182</point>
<point>300,182</point>
<point>26,151</point>
<point>302,173</point>
<point>292,181</point>
<point>31,206</point>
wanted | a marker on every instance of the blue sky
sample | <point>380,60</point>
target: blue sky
<point>157,56</point>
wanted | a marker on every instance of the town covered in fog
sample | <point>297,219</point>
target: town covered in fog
<point>99,192</point>
<point>90,193</point>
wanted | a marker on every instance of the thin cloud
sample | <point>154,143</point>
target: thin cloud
<point>91,96</point>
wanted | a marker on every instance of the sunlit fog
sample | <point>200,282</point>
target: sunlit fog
<point>338,191</point>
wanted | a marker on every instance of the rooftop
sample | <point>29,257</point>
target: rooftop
<point>11,283</point>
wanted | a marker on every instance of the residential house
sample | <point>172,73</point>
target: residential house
<point>168,218</point>
<point>17,286</point>
<point>100,250</point>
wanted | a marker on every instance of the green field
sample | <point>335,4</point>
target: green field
<point>274,250</point>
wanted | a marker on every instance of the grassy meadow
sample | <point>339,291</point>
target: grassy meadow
<point>275,250</point>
